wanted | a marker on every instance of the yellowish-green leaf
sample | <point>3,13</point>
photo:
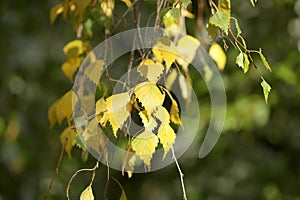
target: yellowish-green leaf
<point>55,11</point>
<point>73,49</point>
<point>186,2</point>
<point>220,19</point>
<point>70,67</point>
<point>117,111</point>
<point>264,60</point>
<point>144,146</point>
<point>87,194</point>
<point>52,115</point>
<point>187,47</point>
<point>67,138</point>
<point>171,79</point>
<point>64,107</point>
<point>149,95</point>
<point>127,2</point>
<point>150,70</point>
<point>243,62</point>
<point>108,7</point>
<point>172,27</point>
<point>266,89</point>
<point>175,13</point>
<point>218,55</point>
<point>94,70</point>
<point>237,27</point>
<point>166,51</point>
<point>224,6</point>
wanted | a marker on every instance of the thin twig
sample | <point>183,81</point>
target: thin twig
<point>180,174</point>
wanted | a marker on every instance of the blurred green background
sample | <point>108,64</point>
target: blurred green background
<point>257,156</point>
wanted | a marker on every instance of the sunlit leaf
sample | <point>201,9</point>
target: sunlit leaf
<point>264,60</point>
<point>174,111</point>
<point>224,6</point>
<point>266,89</point>
<point>171,79</point>
<point>243,62</point>
<point>67,138</point>
<point>221,20</point>
<point>166,137</point>
<point>166,51</point>
<point>218,55</point>
<point>149,95</point>
<point>108,7</point>
<point>171,24</point>
<point>148,121</point>
<point>186,47</point>
<point>127,2</point>
<point>175,13</point>
<point>237,27</point>
<point>55,11</point>
<point>73,49</point>
<point>144,146</point>
<point>117,111</point>
<point>93,71</point>
<point>150,70</point>
<point>70,67</point>
<point>87,194</point>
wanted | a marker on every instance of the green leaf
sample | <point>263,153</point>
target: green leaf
<point>264,60</point>
<point>186,2</point>
<point>163,12</point>
<point>87,194</point>
<point>175,12</point>
<point>266,89</point>
<point>253,2</point>
<point>237,27</point>
<point>221,20</point>
<point>88,26</point>
<point>243,62</point>
<point>212,30</point>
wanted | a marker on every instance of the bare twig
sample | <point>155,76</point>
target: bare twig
<point>180,174</point>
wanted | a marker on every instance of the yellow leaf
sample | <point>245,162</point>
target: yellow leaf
<point>144,146</point>
<point>68,134</point>
<point>100,109</point>
<point>218,55</point>
<point>70,67</point>
<point>165,50</point>
<point>149,122</point>
<point>127,2</point>
<point>172,27</point>
<point>150,70</point>
<point>87,194</point>
<point>55,11</point>
<point>117,111</point>
<point>170,79</point>
<point>52,116</point>
<point>174,112</point>
<point>107,6</point>
<point>93,71</point>
<point>166,137</point>
<point>149,95</point>
<point>73,49</point>
<point>187,47</point>
<point>64,107</point>
<point>81,6</point>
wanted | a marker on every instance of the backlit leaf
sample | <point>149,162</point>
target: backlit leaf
<point>224,6</point>
<point>70,67</point>
<point>67,138</point>
<point>166,137</point>
<point>264,60</point>
<point>93,71</point>
<point>108,7</point>
<point>221,20</point>
<point>166,51</point>
<point>55,11</point>
<point>186,47</point>
<point>149,95</point>
<point>150,70</point>
<point>117,111</point>
<point>237,27</point>
<point>266,89</point>
<point>87,194</point>
<point>127,2</point>
<point>174,111</point>
<point>218,55</point>
<point>73,49</point>
<point>243,62</point>
<point>144,146</point>
<point>148,121</point>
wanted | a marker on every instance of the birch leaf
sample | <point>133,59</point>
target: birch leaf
<point>68,134</point>
<point>150,70</point>
<point>73,49</point>
<point>266,89</point>
<point>218,55</point>
<point>70,67</point>
<point>93,71</point>
<point>87,194</point>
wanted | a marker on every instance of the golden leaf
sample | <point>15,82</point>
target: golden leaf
<point>150,70</point>
<point>73,49</point>
<point>144,146</point>
<point>87,194</point>
<point>174,112</point>
<point>55,11</point>
<point>70,67</point>
<point>107,6</point>
<point>67,138</point>
<point>187,47</point>
<point>149,122</point>
<point>52,116</point>
<point>117,111</point>
<point>218,55</point>
<point>149,95</point>
<point>64,107</point>
<point>93,71</point>
<point>166,137</point>
<point>165,50</point>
